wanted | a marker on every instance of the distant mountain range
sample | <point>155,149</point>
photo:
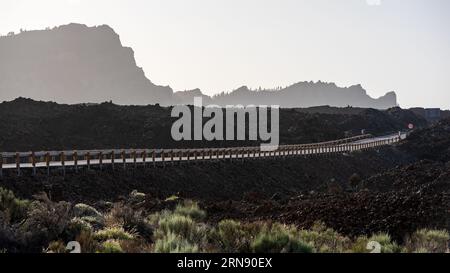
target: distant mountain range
<point>78,64</point>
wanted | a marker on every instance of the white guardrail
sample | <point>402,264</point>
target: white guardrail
<point>124,157</point>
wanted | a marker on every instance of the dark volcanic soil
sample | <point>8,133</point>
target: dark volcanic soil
<point>30,125</point>
<point>418,196</point>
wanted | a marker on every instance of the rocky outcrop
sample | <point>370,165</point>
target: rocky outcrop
<point>305,94</point>
<point>74,64</point>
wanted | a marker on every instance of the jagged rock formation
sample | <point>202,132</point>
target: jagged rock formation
<point>74,64</point>
<point>305,94</point>
<point>79,64</point>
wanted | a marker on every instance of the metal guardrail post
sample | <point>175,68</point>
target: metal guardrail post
<point>33,163</point>
<point>18,164</point>
<point>47,163</point>
<point>113,158</point>
<point>124,159</point>
<point>63,164</point>
<point>75,161</point>
<point>153,158</point>
<point>100,160</point>
<point>88,160</point>
<point>144,158</point>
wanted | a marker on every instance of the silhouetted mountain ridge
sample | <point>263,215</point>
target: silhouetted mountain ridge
<point>75,64</point>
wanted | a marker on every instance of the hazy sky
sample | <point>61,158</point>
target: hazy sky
<point>219,45</point>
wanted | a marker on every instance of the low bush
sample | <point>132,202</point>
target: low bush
<point>89,215</point>
<point>113,233</point>
<point>111,246</point>
<point>75,227</point>
<point>279,239</point>
<point>177,224</point>
<point>428,241</point>
<point>190,209</point>
<point>324,239</point>
<point>363,244</point>
<point>172,243</point>
<point>13,208</point>
<point>46,221</point>
<point>230,237</point>
<point>387,245</point>
<point>132,220</point>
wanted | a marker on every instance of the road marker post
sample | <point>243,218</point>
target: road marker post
<point>75,161</point>
<point>47,162</point>
<point>33,163</point>
<point>88,160</point>
<point>18,164</point>
<point>134,158</point>
<point>100,160</point>
<point>113,155</point>
<point>1,165</point>
<point>124,159</point>
<point>63,163</point>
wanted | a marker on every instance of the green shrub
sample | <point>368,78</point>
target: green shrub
<point>113,233</point>
<point>230,236</point>
<point>13,207</point>
<point>177,224</point>
<point>387,246</point>
<point>87,242</point>
<point>279,240</point>
<point>111,246</point>
<point>89,215</point>
<point>359,245</point>
<point>362,244</point>
<point>191,209</point>
<point>81,210</point>
<point>153,219</point>
<point>172,243</point>
<point>46,221</point>
<point>326,240</point>
<point>429,241</point>
<point>75,227</point>
<point>132,220</point>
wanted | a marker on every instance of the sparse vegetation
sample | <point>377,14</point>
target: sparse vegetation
<point>428,241</point>
<point>12,208</point>
<point>279,239</point>
<point>113,234</point>
<point>45,226</point>
<point>190,209</point>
